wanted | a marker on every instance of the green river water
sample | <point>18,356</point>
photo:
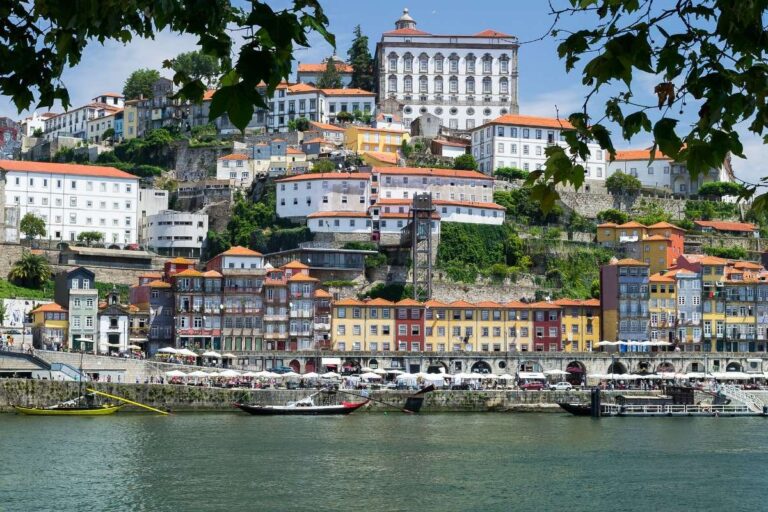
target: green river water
<point>382,462</point>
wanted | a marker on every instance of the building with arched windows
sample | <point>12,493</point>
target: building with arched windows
<point>465,80</point>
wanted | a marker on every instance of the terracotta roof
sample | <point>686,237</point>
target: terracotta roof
<point>540,122</point>
<point>346,92</point>
<point>153,275</point>
<point>748,265</point>
<point>408,302</point>
<point>567,302</point>
<point>240,251</point>
<point>428,171</point>
<point>543,305</point>
<point>593,303</point>
<point>159,284</point>
<point>639,154</point>
<point>327,176</point>
<point>49,308</point>
<point>341,67</point>
<point>301,87</point>
<point>208,95</point>
<point>630,261</point>
<point>316,140</point>
<point>110,95</point>
<point>234,156</point>
<point>435,304</point>
<point>488,304</point>
<point>70,169</point>
<point>322,294</point>
<point>461,304</point>
<point>274,282</point>
<point>326,126</point>
<point>294,264</point>
<point>712,260</point>
<point>660,278</point>
<point>608,225</point>
<point>278,140</point>
<point>515,304</point>
<point>181,261</point>
<point>407,32</point>
<point>190,272</point>
<point>665,225</point>
<point>349,302</point>
<point>719,225</point>
<point>381,156</point>
<point>294,151</point>
<point>212,273</point>
<point>380,302</point>
<point>321,215</point>
<point>632,224</point>
<point>301,277</point>
<point>491,33</point>
<point>656,238</point>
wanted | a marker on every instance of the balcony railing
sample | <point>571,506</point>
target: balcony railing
<point>275,335</point>
<point>276,318</point>
<point>302,314</point>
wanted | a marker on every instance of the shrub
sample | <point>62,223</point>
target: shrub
<point>465,162</point>
<point>511,173</point>
<point>620,183</point>
<point>731,253</point>
<point>613,215</point>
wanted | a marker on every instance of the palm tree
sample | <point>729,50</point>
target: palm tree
<point>30,271</point>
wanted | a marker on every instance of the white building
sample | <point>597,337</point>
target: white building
<point>72,199</point>
<point>100,123</point>
<point>521,141</point>
<point>328,132</point>
<point>663,173</point>
<point>172,233</point>
<point>301,195</point>
<point>274,159</point>
<point>152,201</point>
<point>35,122</point>
<point>74,123</point>
<point>464,80</point>
<point>292,101</point>
<point>378,202</point>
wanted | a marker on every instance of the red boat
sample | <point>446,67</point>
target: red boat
<point>304,407</point>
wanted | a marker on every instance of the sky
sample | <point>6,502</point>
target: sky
<point>545,89</point>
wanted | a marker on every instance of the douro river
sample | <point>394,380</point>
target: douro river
<point>382,462</point>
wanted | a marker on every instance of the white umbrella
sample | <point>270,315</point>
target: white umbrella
<point>134,347</point>
<point>556,372</point>
<point>310,375</point>
<point>167,350</point>
<point>370,376</point>
<point>380,371</point>
<point>175,373</point>
<point>331,375</point>
<point>365,369</point>
<point>185,352</point>
<point>198,374</point>
<point>395,372</point>
<point>212,354</point>
<point>229,356</point>
<point>263,374</point>
<point>290,375</point>
<point>229,373</point>
<point>506,376</point>
<point>250,374</point>
<point>214,374</point>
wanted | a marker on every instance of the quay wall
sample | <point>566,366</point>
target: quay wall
<point>178,398</point>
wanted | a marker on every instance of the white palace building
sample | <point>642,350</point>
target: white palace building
<point>465,80</point>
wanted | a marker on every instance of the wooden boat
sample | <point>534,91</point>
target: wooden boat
<point>57,410</point>
<point>576,409</point>
<point>304,407</point>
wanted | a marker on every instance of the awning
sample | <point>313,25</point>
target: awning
<point>138,340</point>
<point>531,375</point>
<point>330,361</point>
<point>754,360</point>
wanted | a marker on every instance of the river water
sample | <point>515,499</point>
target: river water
<point>382,462</point>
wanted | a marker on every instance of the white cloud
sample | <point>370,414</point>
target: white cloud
<point>549,104</point>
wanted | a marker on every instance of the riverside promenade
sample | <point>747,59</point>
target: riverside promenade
<point>179,398</point>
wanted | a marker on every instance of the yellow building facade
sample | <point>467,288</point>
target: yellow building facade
<point>580,321</point>
<point>50,325</point>
<point>382,140</point>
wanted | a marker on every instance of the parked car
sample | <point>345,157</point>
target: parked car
<point>561,386</point>
<point>532,386</point>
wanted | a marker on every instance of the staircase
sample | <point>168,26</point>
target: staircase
<point>20,354</point>
<point>754,403</point>
<point>70,372</point>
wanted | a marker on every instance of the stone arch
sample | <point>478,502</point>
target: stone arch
<point>310,366</point>
<point>480,367</point>
<point>295,365</point>
<point>435,366</point>
<point>530,366</point>
<point>695,367</point>
<point>577,372</point>
<point>734,366</point>
<point>373,363</point>
<point>350,366</point>
<point>644,367</point>
<point>618,368</point>
<point>665,367</point>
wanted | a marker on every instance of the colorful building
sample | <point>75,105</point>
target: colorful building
<point>382,140</point>
<point>624,297</point>
<point>49,326</point>
<point>546,326</point>
<point>580,324</point>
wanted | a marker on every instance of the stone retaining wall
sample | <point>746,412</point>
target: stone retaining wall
<point>199,399</point>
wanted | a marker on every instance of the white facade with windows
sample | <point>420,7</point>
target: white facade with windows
<point>464,80</point>
<point>521,142</point>
<point>663,173</point>
<point>172,233</point>
<point>72,199</point>
<point>300,196</point>
<point>292,101</point>
<point>74,123</point>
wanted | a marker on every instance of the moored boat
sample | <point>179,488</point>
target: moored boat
<point>304,407</point>
<point>56,410</point>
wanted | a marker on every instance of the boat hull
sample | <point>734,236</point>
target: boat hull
<point>72,411</point>
<point>281,410</point>
<point>576,409</point>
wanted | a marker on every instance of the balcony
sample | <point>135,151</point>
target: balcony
<point>276,318</point>
<point>275,335</point>
<point>321,326</point>
<point>302,314</point>
<point>245,290</point>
